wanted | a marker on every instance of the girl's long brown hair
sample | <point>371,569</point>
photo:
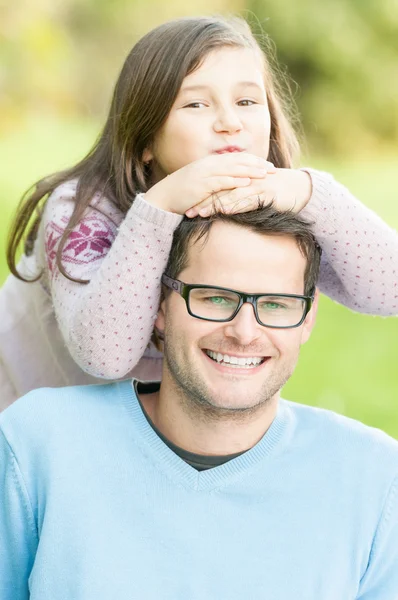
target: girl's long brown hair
<point>143,96</point>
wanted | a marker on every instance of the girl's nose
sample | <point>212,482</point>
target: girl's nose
<point>227,121</point>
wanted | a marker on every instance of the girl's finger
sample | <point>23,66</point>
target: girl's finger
<point>208,206</point>
<point>213,198</point>
<point>232,163</point>
<point>247,171</point>
<point>228,195</point>
<point>222,183</point>
<point>218,205</point>
<point>233,206</point>
<point>243,205</point>
<point>226,206</point>
<point>228,198</point>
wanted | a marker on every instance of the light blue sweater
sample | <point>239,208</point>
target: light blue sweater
<point>94,506</point>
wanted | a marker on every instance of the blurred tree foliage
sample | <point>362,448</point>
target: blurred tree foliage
<point>62,58</point>
<point>344,56</point>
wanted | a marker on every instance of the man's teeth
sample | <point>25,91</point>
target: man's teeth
<point>247,361</point>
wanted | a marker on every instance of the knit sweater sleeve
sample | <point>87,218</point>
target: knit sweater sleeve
<point>359,266</point>
<point>107,323</point>
<point>18,534</point>
<point>380,581</point>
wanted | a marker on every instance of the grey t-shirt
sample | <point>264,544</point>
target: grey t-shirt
<point>200,462</point>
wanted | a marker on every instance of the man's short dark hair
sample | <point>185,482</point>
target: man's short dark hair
<point>265,220</point>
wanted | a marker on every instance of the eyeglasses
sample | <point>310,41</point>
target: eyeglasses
<point>279,311</point>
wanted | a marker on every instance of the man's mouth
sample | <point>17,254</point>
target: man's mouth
<point>238,362</point>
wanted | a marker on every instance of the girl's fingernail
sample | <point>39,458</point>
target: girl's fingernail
<point>190,213</point>
<point>204,212</point>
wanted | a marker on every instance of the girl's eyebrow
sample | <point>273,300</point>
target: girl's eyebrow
<point>199,88</point>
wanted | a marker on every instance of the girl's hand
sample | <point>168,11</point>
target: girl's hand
<point>203,180</point>
<point>288,189</point>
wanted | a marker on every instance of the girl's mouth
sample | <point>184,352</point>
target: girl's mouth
<point>229,149</point>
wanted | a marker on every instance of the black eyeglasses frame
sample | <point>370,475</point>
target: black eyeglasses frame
<point>183,289</point>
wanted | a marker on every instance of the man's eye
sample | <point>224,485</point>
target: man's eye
<point>217,299</point>
<point>272,306</point>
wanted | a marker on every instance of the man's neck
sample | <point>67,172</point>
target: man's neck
<point>208,434</point>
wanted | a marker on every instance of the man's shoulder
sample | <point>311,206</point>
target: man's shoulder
<point>339,434</point>
<point>44,412</point>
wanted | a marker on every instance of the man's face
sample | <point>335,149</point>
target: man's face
<point>236,258</point>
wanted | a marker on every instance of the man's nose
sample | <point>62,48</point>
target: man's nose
<point>227,120</point>
<point>244,328</point>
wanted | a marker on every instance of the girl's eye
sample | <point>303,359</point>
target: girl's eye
<point>194,105</point>
<point>246,102</point>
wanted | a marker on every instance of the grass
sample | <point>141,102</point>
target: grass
<point>349,365</point>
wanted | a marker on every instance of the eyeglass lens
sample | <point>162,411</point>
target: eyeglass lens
<point>220,305</point>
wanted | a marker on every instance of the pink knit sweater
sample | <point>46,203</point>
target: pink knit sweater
<point>107,324</point>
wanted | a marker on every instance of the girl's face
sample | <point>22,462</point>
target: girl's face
<point>221,106</point>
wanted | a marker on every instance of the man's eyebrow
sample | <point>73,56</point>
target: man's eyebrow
<point>198,88</point>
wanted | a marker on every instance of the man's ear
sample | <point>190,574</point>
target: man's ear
<point>310,319</point>
<point>160,318</point>
<point>158,328</point>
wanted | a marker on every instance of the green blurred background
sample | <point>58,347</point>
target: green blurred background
<point>59,61</point>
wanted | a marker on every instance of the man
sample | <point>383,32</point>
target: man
<point>209,485</point>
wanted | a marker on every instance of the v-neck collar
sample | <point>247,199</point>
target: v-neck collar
<point>177,469</point>
<point>199,461</point>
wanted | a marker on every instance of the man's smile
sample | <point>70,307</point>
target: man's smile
<point>230,362</point>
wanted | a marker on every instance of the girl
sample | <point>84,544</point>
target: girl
<point>195,113</point>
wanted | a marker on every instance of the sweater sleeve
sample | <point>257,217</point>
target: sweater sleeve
<point>359,266</point>
<point>380,581</point>
<point>107,323</point>
<point>18,534</point>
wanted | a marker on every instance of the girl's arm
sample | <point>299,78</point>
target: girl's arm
<point>359,265</point>
<point>107,323</point>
